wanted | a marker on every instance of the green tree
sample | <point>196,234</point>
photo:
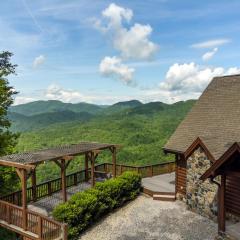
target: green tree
<point>8,140</point>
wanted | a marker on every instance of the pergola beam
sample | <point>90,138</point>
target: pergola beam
<point>16,165</point>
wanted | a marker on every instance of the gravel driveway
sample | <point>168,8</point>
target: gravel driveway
<point>147,219</point>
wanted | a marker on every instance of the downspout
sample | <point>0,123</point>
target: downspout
<point>219,186</point>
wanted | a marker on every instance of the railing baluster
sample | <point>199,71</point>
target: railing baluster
<point>40,228</point>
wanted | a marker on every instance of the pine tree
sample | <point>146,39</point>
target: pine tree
<point>8,140</point>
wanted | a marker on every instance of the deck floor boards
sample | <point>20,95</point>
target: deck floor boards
<point>160,183</point>
<point>46,205</point>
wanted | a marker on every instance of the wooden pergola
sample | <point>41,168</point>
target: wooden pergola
<point>26,163</point>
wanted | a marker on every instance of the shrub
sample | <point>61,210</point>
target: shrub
<point>86,207</point>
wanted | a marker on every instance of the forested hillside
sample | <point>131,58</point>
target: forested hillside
<point>142,130</point>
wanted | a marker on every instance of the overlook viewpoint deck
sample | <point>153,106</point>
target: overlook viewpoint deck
<point>28,211</point>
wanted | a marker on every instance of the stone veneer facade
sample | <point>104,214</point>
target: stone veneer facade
<point>201,197</point>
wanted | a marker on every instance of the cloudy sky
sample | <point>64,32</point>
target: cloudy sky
<point>102,51</point>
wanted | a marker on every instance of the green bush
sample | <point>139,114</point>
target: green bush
<point>86,207</point>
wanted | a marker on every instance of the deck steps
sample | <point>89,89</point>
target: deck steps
<point>160,196</point>
<point>164,197</point>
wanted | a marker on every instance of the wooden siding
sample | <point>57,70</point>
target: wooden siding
<point>232,195</point>
<point>181,175</point>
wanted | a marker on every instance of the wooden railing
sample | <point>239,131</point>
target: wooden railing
<point>50,187</point>
<point>44,189</point>
<point>38,226</point>
<point>145,171</point>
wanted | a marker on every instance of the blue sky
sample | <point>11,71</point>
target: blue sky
<point>103,51</point>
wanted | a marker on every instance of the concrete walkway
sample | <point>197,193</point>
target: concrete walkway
<point>146,219</point>
<point>233,229</point>
<point>160,183</point>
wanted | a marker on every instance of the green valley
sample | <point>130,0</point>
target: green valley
<point>142,129</point>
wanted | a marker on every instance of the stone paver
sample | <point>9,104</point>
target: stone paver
<point>147,219</point>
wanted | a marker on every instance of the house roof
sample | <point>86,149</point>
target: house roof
<point>215,119</point>
<point>26,159</point>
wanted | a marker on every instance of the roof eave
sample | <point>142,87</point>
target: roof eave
<point>217,164</point>
<point>173,151</point>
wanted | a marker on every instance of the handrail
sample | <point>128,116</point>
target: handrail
<point>144,166</point>
<point>38,226</point>
<point>44,228</point>
<point>49,187</point>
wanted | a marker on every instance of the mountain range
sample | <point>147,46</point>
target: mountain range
<point>141,128</point>
<point>41,114</point>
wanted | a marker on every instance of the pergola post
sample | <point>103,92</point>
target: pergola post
<point>92,169</point>
<point>114,159</point>
<point>63,177</point>
<point>22,173</point>
<point>221,205</point>
<point>86,168</point>
<point>34,184</point>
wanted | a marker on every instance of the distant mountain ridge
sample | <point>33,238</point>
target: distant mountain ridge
<point>38,107</point>
<point>42,114</point>
<point>21,122</point>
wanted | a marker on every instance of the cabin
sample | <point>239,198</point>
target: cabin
<point>206,146</point>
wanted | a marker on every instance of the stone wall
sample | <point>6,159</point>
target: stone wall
<point>201,196</point>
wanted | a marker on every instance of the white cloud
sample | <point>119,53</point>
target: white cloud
<point>22,100</point>
<point>208,55</point>
<point>55,92</point>
<point>132,42</point>
<point>185,81</point>
<point>181,82</point>
<point>38,61</point>
<point>116,14</point>
<point>211,43</point>
<point>113,67</point>
<point>189,77</point>
<point>233,71</point>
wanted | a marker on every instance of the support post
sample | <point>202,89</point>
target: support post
<point>63,177</point>
<point>34,185</point>
<point>221,205</point>
<point>24,197</point>
<point>92,169</point>
<point>114,159</point>
<point>176,174</point>
<point>86,168</point>
<point>39,229</point>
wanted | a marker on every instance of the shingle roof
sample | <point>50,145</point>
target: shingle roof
<point>35,157</point>
<point>215,118</point>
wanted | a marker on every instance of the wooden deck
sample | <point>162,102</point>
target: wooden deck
<point>160,183</point>
<point>46,205</point>
<point>35,221</point>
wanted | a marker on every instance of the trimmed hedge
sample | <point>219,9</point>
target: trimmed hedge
<point>86,207</point>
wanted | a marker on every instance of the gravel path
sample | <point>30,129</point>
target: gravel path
<point>147,219</point>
